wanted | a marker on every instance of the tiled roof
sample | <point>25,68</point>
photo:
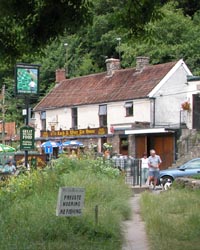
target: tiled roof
<point>124,84</point>
<point>10,131</point>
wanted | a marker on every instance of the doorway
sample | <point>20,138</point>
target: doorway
<point>123,145</point>
<point>196,112</point>
<point>164,144</point>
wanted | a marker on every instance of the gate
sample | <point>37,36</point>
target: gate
<point>133,174</point>
<point>132,169</point>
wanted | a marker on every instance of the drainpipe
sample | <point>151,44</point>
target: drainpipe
<point>153,110</point>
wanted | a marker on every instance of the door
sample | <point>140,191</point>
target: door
<point>164,146</point>
<point>140,145</point>
<point>196,112</point>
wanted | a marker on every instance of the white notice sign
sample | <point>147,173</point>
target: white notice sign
<point>70,201</point>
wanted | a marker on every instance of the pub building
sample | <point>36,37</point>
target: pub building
<point>119,107</point>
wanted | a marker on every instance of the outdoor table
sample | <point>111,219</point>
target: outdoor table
<point>4,176</point>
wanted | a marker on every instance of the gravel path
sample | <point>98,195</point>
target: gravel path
<point>134,229</point>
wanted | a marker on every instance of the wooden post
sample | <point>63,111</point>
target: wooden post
<point>27,123</point>
<point>96,214</point>
<point>3,114</point>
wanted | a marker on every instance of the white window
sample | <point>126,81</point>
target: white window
<point>129,108</point>
<point>103,115</point>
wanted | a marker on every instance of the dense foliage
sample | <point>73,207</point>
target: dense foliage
<point>33,23</point>
<point>36,31</point>
<point>28,208</point>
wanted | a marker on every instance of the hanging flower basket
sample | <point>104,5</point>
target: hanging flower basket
<point>186,106</point>
<point>107,146</point>
<point>92,146</point>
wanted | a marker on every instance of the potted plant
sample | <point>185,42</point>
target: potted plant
<point>186,106</point>
<point>107,146</point>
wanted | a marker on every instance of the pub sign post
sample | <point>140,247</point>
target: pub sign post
<point>27,138</point>
<point>26,87</point>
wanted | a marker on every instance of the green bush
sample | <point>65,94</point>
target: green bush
<point>28,206</point>
<point>197,177</point>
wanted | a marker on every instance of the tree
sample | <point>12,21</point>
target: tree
<point>164,34</point>
<point>189,7</point>
<point>173,37</point>
<point>134,14</point>
<point>26,25</point>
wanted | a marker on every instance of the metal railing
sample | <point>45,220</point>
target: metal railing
<point>132,169</point>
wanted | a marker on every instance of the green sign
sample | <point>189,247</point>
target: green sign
<point>27,79</point>
<point>27,138</point>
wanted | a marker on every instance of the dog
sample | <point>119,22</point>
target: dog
<point>165,183</point>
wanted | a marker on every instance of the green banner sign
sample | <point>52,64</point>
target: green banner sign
<point>27,79</point>
<point>27,138</point>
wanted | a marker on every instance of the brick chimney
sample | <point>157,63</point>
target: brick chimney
<point>60,75</point>
<point>112,65</point>
<point>141,62</point>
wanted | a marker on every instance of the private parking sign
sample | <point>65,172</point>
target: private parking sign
<point>70,201</point>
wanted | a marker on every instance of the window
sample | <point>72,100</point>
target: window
<point>129,108</point>
<point>103,140</point>
<point>43,115</point>
<point>192,164</point>
<point>102,115</point>
<point>123,146</point>
<point>74,118</point>
<point>43,120</point>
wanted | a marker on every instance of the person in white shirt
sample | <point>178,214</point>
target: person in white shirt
<point>9,168</point>
<point>144,168</point>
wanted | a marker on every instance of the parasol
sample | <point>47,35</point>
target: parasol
<point>6,148</point>
<point>50,144</point>
<point>73,143</point>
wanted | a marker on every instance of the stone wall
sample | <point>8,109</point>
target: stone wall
<point>188,145</point>
<point>188,183</point>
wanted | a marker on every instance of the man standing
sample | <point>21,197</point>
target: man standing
<point>154,162</point>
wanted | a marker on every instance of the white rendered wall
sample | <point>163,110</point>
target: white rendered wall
<point>193,88</point>
<point>169,97</point>
<point>88,116</point>
<point>117,112</point>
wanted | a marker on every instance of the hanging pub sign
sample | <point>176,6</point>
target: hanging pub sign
<point>26,79</point>
<point>75,132</point>
<point>27,138</point>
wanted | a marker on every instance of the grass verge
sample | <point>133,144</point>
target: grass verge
<point>28,205</point>
<point>172,219</point>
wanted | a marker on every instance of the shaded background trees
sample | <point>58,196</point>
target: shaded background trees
<point>35,32</point>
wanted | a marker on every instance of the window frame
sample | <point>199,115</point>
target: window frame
<point>103,115</point>
<point>129,108</point>
<point>74,117</point>
<point>43,120</point>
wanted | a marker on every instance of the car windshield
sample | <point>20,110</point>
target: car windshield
<point>194,164</point>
